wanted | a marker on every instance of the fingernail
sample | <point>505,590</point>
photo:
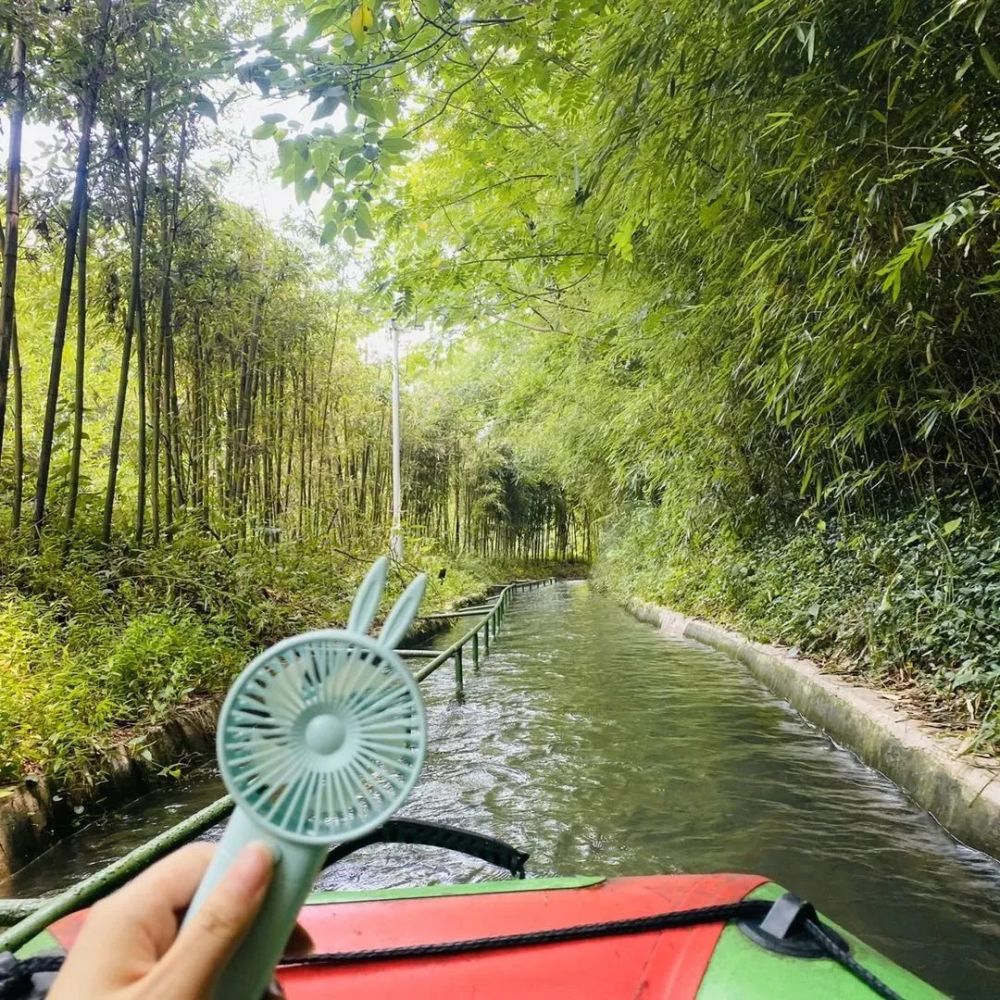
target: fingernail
<point>252,869</point>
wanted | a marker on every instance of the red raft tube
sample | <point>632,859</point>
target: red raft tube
<point>664,936</point>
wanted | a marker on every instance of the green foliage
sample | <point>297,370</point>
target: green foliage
<point>222,391</point>
<point>160,659</point>
<point>464,484</point>
<point>781,220</point>
<point>372,76</point>
<point>914,593</point>
<point>104,645</point>
<point>726,275</point>
<point>731,270</point>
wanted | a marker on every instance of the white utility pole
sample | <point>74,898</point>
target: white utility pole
<point>396,534</point>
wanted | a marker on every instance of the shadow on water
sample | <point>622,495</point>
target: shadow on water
<point>602,747</point>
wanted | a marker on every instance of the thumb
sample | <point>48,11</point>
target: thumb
<point>204,945</point>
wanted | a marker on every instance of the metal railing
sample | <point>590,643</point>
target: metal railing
<point>34,915</point>
<point>490,616</point>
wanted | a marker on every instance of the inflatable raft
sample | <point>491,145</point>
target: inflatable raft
<point>574,938</point>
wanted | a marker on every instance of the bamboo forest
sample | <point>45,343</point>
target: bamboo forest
<point>581,312</point>
<point>714,283</point>
<point>704,295</point>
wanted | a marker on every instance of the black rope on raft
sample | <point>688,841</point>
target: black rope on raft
<point>16,975</point>
<point>838,954</point>
<point>742,910</point>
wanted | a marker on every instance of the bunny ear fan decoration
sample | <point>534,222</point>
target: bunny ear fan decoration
<point>320,740</point>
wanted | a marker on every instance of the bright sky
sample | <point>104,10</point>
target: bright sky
<point>247,166</point>
<point>249,180</point>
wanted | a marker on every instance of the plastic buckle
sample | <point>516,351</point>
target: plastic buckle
<point>783,929</point>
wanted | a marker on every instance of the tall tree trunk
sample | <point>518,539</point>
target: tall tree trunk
<point>162,403</point>
<point>246,451</point>
<point>78,382</point>
<point>89,107</point>
<point>302,452</point>
<point>241,452</point>
<point>200,444</point>
<point>310,479</point>
<point>138,225</point>
<point>12,222</point>
<point>143,462</point>
<point>176,468</point>
<point>279,505</point>
<point>156,397</point>
<point>15,353</point>
<point>228,488</point>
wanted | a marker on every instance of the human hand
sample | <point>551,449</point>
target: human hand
<point>132,946</point>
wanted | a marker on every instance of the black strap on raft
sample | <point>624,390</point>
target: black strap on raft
<point>748,911</point>
<point>17,983</point>
<point>414,831</point>
<point>27,978</point>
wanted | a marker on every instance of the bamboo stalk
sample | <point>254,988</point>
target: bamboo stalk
<point>109,878</point>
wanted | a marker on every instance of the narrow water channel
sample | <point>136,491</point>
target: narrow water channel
<point>602,747</point>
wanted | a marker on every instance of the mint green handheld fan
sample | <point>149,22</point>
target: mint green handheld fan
<point>320,740</point>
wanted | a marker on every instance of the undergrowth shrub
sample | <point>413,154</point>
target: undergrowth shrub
<point>39,688</point>
<point>158,661</point>
<point>104,640</point>
<point>913,593</point>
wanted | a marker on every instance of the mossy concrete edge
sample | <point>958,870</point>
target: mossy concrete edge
<point>40,811</point>
<point>963,796</point>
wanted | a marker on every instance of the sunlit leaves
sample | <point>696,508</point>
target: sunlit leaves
<point>362,22</point>
<point>321,22</point>
<point>764,237</point>
<point>395,144</point>
<point>363,221</point>
<point>354,166</point>
<point>989,62</point>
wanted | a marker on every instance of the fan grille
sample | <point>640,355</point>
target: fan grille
<point>322,737</point>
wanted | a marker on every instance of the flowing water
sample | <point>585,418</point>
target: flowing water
<point>600,746</point>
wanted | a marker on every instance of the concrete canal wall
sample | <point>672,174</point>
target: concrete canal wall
<point>962,795</point>
<point>40,811</point>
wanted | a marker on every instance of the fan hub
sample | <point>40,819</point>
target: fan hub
<point>325,734</point>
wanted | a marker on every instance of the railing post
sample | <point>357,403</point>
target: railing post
<point>486,636</point>
<point>475,649</point>
<point>459,677</point>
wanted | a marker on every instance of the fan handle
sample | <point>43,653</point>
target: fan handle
<point>248,973</point>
